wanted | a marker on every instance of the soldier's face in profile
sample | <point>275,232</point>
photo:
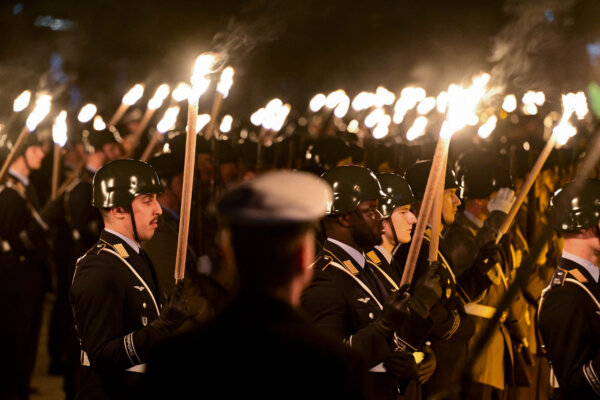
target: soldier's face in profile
<point>449,206</point>
<point>403,220</point>
<point>34,156</point>
<point>367,224</point>
<point>146,211</point>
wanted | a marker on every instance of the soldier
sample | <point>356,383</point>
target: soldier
<point>326,153</point>
<point>355,300</point>
<point>24,273</point>
<point>452,326</point>
<point>270,227</point>
<point>569,308</point>
<point>488,195</point>
<point>115,296</point>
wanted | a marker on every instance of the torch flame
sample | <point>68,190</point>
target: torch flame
<point>202,121</point>
<point>462,105</point>
<point>59,129</point>
<point>42,108</point>
<point>87,113</point>
<point>571,102</point>
<point>168,120</point>
<point>316,103</point>
<point>202,67</point>
<point>159,96</point>
<point>258,116</point>
<point>384,97</point>
<point>181,92</point>
<point>417,129</point>
<point>383,127</point>
<point>353,126</point>
<point>409,97</point>
<point>363,101</point>
<point>581,107</point>
<point>134,94</point>
<point>226,81</point>
<point>373,118</point>
<point>280,117</point>
<point>226,124</point>
<point>342,107</point>
<point>426,105</point>
<point>22,101</point>
<point>99,124</point>
<point>442,102</point>
<point>488,127</point>
<point>529,103</point>
<point>510,103</point>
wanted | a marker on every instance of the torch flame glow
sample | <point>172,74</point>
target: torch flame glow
<point>417,129</point>
<point>99,124</point>
<point>353,126</point>
<point>383,127</point>
<point>564,130</point>
<point>59,129</point>
<point>159,96</point>
<point>426,105</point>
<point>42,108</point>
<point>373,118</point>
<point>510,103</point>
<point>168,120</point>
<point>488,127</point>
<point>363,101</point>
<point>342,107</point>
<point>335,98</point>
<point>87,113</point>
<point>201,122</point>
<point>226,124</point>
<point>409,97</point>
<point>316,103</point>
<point>134,94</point>
<point>280,117</point>
<point>463,104</point>
<point>181,92</point>
<point>202,67</point>
<point>581,107</point>
<point>22,101</point>
<point>226,81</point>
<point>442,102</point>
<point>258,116</point>
<point>383,97</point>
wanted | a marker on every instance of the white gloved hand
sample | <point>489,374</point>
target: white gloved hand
<point>503,201</point>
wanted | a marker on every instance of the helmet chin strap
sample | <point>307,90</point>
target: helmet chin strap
<point>393,230</point>
<point>133,225</point>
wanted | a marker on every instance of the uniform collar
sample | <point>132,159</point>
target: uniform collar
<point>586,264</point>
<point>135,246</point>
<point>473,219</point>
<point>352,252</point>
<point>388,256</point>
<point>22,178</point>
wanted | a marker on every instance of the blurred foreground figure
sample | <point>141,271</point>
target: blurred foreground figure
<point>568,316</point>
<point>115,295</point>
<point>24,271</point>
<point>260,347</point>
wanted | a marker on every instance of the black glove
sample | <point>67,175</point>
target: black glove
<point>395,312</point>
<point>426,367</point>
<point>174,312</point>
<point>489,255</point>
<point>401,365</point>
<point>427,291</point>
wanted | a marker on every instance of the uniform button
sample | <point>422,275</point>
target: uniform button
<point>144,305</point>
<point>371,315</point>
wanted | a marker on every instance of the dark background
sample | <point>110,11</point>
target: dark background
<point>291,49</point>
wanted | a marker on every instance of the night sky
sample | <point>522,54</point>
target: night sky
<point>290,49</point>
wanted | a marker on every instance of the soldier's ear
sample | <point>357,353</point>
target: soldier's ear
<point>344,220</point>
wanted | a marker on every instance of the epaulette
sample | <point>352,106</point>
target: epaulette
<point>578,275</point>
<point>559,277</point>
<point>373,257</point>
<point>321,263</point>
<point>121,250</point>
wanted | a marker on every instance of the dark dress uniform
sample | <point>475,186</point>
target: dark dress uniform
<point>115,297</point>
<point>570,330</point>
<point>272,352</point>
<point>24,277</point>
<point>343,300</point>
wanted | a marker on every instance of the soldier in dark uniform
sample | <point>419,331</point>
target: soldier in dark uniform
<point>115,295</point>
<point>569,308</point>
<point>260,346</point>
<point>24,272</point>
<point>452,326</point>
<point>488,195</point>
<point>355,300</point>
<point>78,226</point>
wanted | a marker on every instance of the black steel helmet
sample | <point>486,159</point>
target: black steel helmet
<point>472,159</point>
<point>583,212</point>
<point>117,183</point>
<point>327,151</point>
<point>176,144</point>
<point>417,174</point>
<point>167,165</point>
<point>479,182</point>
<point>94,140</point>
<point>398,193</point>
<point>351,184</point>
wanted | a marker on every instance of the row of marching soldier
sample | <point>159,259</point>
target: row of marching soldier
<point>294,280</point>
